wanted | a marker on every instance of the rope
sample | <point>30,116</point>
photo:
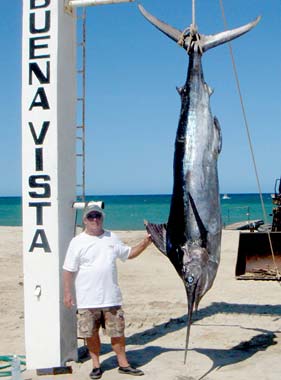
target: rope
<point>278,276</point>
<point>182,36</point>
<point>192,34</point>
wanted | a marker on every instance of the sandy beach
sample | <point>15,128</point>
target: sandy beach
<point>236,332</point>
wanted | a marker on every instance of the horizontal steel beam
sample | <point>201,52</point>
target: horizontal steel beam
<point>85,3</point>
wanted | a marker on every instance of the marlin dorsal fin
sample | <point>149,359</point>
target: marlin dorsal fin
<point>158,235</point>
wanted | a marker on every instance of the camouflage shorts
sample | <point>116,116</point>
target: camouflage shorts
<point>111,319</point>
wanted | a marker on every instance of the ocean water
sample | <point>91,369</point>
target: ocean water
<point>127,212</point>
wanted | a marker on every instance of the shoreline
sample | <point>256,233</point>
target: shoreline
<point>127,212</point>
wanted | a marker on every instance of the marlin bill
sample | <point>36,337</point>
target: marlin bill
<point>191,238</point>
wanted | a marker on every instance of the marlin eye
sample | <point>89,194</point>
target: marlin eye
<point>190,279</point>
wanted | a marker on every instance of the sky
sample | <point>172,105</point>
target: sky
<point>132,106</point>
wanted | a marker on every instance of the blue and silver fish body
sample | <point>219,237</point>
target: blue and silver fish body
<point>192,236</point>
<point>193,232</point>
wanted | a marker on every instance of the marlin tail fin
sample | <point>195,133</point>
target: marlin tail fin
<point>190,38</point>
<point>210,41</point>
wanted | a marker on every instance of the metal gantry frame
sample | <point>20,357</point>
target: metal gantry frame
<point>81,106</point>
<point>81,5</point>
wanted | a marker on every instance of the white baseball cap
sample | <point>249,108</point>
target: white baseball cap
<point>93,207</point>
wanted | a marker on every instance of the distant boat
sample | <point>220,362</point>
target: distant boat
<point>225,196</point>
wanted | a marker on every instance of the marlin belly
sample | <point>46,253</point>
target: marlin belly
<point>195,207</point>
<point>193,231</point>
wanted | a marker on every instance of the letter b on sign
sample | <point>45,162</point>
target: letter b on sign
<point>34,4</point>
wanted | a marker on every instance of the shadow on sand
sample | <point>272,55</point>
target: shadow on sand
<point>219,357</point>
<point>176,324</point>
<point>238,353</point>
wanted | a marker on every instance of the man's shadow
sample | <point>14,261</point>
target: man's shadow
<point>137,357</point>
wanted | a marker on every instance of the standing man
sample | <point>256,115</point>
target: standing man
<point>90,264</point>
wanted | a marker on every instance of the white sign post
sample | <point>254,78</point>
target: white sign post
<point>48,174</point>
<point>48,177</point>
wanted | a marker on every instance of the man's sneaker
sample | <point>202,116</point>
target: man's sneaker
<point>96,373</point>
<point>130,371</point>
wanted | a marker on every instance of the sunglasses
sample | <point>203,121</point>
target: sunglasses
<point>94,215</point>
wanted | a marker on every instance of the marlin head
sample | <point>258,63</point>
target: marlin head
<point>190,39</point>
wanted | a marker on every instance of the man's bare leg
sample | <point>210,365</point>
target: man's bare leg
<point>94,347</point>
<point>118,346</point>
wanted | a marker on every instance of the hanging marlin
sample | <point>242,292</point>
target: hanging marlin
<point>191,239</point>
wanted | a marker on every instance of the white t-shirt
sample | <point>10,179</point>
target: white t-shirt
<point>93,258</point>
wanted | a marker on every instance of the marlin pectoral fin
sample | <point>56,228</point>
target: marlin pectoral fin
<point>158,235</point>
<point>210,41</point>
<point>170,31</point>
<point>202,229</point>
